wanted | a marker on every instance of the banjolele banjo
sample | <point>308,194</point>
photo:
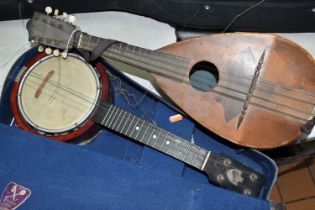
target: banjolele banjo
<point>66,99</point>
<point>256,90</point>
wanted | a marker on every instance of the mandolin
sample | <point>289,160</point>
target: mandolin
<point>255,90</point>
<point>67,99</point>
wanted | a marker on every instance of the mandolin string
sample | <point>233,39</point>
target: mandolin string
<point>177,62</point>
<point>180,78</point>
<point>270,84</point>
<point>268,100</point>
<point>283,105</point>
<point>260,97</point>
<point>266,91</point>
<point>172,58</point>
<point>237,98</point>
<point>161,58</point>
<point>234,97</point>
<point>61,100</point>
<point>166,71</point>
<point>224,87</point>
<point>218,91</point>
<point>182,59</point>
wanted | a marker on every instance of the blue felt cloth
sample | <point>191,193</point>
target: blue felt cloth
<point>113,172</point>
<point>65,176</point>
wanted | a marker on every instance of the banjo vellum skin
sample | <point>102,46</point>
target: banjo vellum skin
<point>55,97</point>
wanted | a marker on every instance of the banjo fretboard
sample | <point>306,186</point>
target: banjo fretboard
<point>220,169</point>
<point>151,135</point>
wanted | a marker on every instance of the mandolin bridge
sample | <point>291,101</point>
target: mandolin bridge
<point>251,90</point>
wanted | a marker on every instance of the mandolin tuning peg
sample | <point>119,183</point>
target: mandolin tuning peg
<point>40,48</point>
<point>48,10</point>
<point>56,52</point>
<point>56,12</point>
<point>48,50</point>
<point>72,19</point>
<point>64,54</point>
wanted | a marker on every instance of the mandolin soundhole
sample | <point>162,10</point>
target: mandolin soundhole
<point>204,76</point>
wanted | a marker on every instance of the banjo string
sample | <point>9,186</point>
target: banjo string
<point>89,100</point>
<point>85,98</point>
<point>241,99</point>
<point>165,135</point>
<point>260,90</point>
<point>150,129</point>
<point>62,99</point>
<point>131,99</point>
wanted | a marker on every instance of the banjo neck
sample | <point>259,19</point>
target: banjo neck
<point>75,107</point>
<point>159,63</point>
<point>220,169</point>
<point>151,135</point>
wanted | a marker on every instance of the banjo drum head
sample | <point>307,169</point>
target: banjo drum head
<point>56,96</point>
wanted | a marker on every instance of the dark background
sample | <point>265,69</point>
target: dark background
<point>207,15</point>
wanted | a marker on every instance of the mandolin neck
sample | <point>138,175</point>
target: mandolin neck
<point>151,135</point>
<point>167,65</point>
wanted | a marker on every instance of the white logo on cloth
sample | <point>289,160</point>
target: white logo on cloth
<point>13,196</point>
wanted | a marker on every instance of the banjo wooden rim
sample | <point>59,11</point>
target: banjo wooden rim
<point>87,129</point>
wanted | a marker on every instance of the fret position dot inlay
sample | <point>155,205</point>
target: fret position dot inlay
<point>167,142</point>
<point>137,128</point>
<point>154,136</point>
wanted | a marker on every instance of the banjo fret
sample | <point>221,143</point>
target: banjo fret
<point>145,132</point>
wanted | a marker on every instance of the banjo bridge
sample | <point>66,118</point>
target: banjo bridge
<point>43,83</point>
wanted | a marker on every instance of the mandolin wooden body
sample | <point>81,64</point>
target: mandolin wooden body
<point>280,102</point>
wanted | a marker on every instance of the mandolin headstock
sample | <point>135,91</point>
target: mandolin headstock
<point>55,31</point>
<point>233,175</point>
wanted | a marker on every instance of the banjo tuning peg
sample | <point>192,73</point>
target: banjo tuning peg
<point>48,10</point>
<point>56,12</point>
<point>64,54</point>
<point>64,15</point>
<point>56,52</point>
<point>48,50</point>
<point>40,48</point>
<point>72,19</point>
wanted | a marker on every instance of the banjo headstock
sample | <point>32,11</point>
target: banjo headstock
<point>53,31</point>
<point>233,175</point>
